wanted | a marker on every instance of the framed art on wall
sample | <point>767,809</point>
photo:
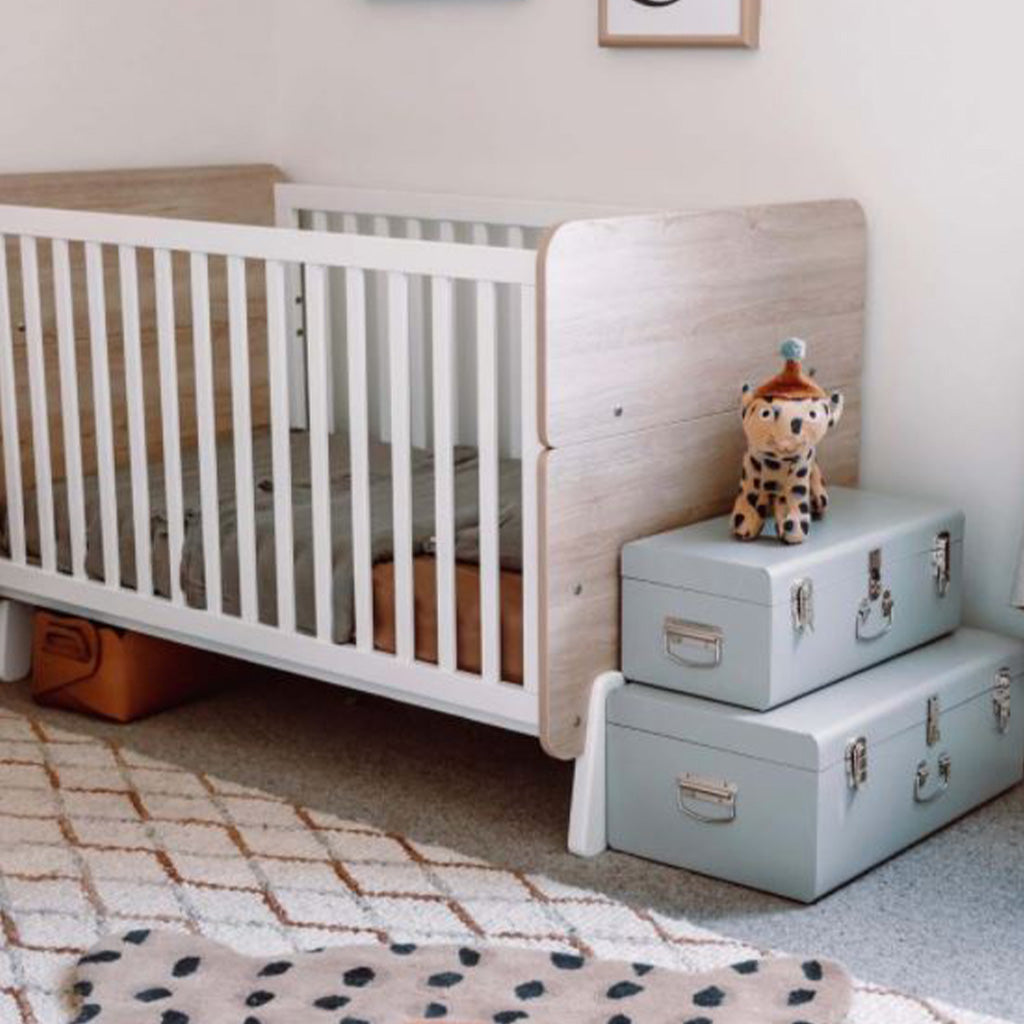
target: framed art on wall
<point>680,22</point>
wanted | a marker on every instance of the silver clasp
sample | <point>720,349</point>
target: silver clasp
<point>857,762</point>
<point>932,731</point>
<point>875,592</point>
<point>1001,699</point>
<point>942,551</point>
<point>875,574</point>
<point>802,603</point>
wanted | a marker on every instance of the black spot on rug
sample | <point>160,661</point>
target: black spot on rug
<point>171,978</point>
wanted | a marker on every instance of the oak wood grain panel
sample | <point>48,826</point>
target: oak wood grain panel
<point>599,495</point>
<point>654,319</point>
<point>233,194</point>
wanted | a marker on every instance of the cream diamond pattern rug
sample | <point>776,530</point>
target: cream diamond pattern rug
<point>97,839</point>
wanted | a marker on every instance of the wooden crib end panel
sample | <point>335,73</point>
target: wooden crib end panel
<point>652,319</point>
<point>233,194</point>
<point>597,496</point>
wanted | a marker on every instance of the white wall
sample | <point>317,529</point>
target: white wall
<point>124,83</point>
<point>911,106</point>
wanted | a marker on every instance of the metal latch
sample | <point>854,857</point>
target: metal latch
<point>693,788</point>
<point>857,762</point>
<point>864,631</point>
<point>802,602</point>
<point>875,574</point>
<point>942,562</point>
<point>932,731</point>
<point>1001,697</point>
<point>704,641</point>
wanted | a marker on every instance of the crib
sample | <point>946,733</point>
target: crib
<point>392,441</point>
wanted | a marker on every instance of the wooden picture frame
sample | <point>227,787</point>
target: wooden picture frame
<point>748,36</point>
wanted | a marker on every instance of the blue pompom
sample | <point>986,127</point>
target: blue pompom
<point>793,350</point>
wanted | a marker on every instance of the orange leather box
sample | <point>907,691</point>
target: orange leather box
<point>114,673</point>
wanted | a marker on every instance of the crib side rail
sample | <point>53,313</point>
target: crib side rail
<point>278,244</point>
<point>163,274</point>
<point>293,198</point>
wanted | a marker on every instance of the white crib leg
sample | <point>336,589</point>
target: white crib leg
<point>15,640</point>
<point>588,825</point>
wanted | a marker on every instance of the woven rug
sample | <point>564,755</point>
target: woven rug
<point>97,840</point>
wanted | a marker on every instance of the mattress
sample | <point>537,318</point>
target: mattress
<point>191,568</point>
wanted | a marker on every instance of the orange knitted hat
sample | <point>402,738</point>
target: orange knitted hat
<point>792,382</point>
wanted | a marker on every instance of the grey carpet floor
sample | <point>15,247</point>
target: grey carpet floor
<point>945,919</point>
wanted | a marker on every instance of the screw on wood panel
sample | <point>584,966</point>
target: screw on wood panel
<point>21,328</point>
<point>577,723</point>
<point>812,372</point>
<point>300,333</point>
<point>298,300</point>
<point>618,411</point>
<point>578,589</point>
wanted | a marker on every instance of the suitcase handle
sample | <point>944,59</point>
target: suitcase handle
<point>922,775</point>
<point>707,791</point>
<point>70,641</point>
<point>706,639</point>
<point>864,616</point>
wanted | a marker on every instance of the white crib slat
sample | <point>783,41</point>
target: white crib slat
<point>380,408</point>
<point>70,408</point>
<point>443,331</point>
<point>241,424</point>
<point>319,458</point>
<point>106,474</point>
<point>531,448</point>
<point>350,224</point>
<point>321,222</point>
<point>418,349</point>
<point>137,453</point>
<point>277,367</point>
<point>510,357</point>
<point>38,403</point>
<point>202,346</point>
<point>401,461</point>
<point>294,317</point>
<point>446,233</point>
<point>163,278</point>
<point>358,426</point>
<point>487,426</point>
<point>9,417</point>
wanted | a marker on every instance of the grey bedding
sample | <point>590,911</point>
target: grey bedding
<point>192,568</point>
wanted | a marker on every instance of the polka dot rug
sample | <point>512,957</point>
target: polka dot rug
<point>97,840</point>
<point>146,977</point>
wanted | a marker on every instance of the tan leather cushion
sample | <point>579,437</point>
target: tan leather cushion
<point>467,599</point>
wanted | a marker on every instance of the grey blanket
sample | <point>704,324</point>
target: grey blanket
<point>192,565</point>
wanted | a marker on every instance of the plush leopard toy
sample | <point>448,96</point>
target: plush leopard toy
<point>784,420</point>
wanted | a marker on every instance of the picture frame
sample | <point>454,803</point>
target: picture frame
<point>707,23</point>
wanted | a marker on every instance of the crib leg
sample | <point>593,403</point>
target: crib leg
<point>588,828</point>
<point>15,640</point>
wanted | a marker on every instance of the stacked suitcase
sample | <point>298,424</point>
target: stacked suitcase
<point>795,715</point>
